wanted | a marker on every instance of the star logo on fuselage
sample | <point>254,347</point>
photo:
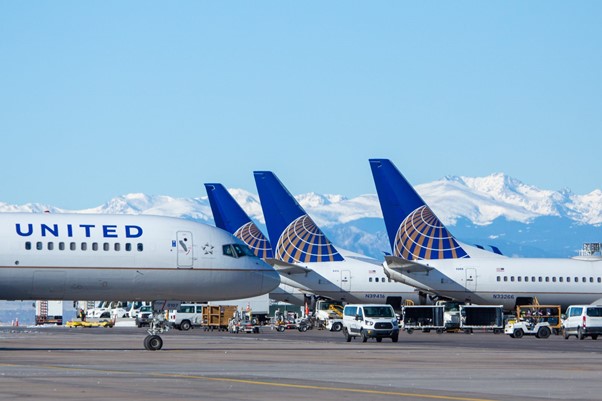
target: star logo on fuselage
<point>208,249</point>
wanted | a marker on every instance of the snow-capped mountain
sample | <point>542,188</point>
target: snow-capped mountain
<point>494,210</point>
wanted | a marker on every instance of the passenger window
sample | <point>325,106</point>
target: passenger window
<point>594,312</point>
<point>560,279</point>
<point>351,311</point>
<point>533,278</point>
<point>591,279</point>
<point>526,278</point>
<point>512,278</point>
<point>553,279</point>
<point>28,246</point>
<point>540,279</point>
<point>547,279</point>
<point>376,279</point>
<point>50,246</point>
<point>583,279</point>
<point>499,278</point>
<point>95,246</point>
<point>84,246</point>
<point>39,246</point>
<point>505,278</point>
<point>568,279</point>
<point>140,247</point>
<point>61,246</point>
<point>73,246</point>
<point>519,279</point>
<point>117,246</point>
<point>370,279</point>
<point>105,246</point>
<point>128,247</point>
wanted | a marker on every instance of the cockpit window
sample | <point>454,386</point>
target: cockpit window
<point>237,250</point>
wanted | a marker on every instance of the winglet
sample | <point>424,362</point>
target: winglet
<point>414,230</point>
<point>229,215</point>
<point>299,240</point>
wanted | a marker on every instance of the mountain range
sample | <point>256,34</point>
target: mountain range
<point>520,219</point>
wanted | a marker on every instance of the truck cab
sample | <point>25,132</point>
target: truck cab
<point>370,321</point>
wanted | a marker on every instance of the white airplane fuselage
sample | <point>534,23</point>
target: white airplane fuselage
<point>128,257</point>
<point>356,279</point>
<point>502,280</point>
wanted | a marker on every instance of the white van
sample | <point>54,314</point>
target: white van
<point>186,316</point>
<point>582,321</point>
<point>370,321</point>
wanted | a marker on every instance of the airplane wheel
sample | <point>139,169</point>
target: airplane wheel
<point>153,343</point>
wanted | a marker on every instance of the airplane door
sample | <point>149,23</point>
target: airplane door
<point>471,279</point>
<point>346,280</point>
<point>184,247</point>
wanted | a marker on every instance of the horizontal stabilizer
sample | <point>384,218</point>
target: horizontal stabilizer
<point>287,268</point>
<point>404,265</point>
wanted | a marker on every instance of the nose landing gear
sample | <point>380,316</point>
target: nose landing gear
<point>153,342</point>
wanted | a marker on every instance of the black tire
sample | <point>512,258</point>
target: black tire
<point>518,333</point>
<point>395,337</point>
<point>364,336</point>
<point>565,335</point>
<point>543,332</point>
<point>153,343</point>
<point>338,326</point>
<point>379,339</point>
<point>594,336</point>
<point>347,335</point>
<point>410,331</point>
<point>185,325</point>
<point>580,334</point>
<point>280,328</point>
<point>497,331</point>
<point>440,331</point>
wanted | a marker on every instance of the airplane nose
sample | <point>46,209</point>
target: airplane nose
<point>271,279</point>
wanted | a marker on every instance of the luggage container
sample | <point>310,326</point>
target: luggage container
<point>423,317</point>
<point>484,317</point>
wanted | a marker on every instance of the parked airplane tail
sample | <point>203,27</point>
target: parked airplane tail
<point>297,237</point>
<point>230,216</point>
<point>414,230</point>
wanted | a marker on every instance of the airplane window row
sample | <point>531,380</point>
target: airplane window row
<point>547,279</point>
<point>383,280</point>
<point>83,246</point>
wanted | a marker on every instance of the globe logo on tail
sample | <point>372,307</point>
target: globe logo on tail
<point>302,241</point>
<point>421,235</point>
<point>254,238</point>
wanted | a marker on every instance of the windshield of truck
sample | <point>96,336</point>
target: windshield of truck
<point>378,311</point>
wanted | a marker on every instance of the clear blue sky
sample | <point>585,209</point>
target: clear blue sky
<point>100,99</point>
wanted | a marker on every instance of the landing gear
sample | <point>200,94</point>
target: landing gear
<point>157,326</point>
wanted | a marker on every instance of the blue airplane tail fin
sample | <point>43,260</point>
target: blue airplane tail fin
<point>298,239</point>
<point>230,216</point>
<point>414,230</point>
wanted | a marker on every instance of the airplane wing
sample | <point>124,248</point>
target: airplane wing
<point>404,265</point>
<point>287,268</point>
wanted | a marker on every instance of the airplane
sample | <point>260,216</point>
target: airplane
<point>304,255</point>
<point>230,216</point>
<point>426,255</point>
<point>134,257</point>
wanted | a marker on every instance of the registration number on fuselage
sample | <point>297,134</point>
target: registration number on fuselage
<point>503,296</point>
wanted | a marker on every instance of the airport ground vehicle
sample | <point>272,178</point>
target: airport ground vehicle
<point>144,316</point>
<point>537,320</point>
<point>186,316</point>
<point>423,317</point>
<point>49,312</point>
<point>582,321</point>
<point>370,321</point>
<point>218,317</point>
<point>328,314</point>
<point>483,317</point>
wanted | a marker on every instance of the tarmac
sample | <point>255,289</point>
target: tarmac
<point>62,363</point>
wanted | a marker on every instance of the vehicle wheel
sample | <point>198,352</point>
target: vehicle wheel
<point>338,326</point>
<point>347,336</point>
<point>379,339</point>
<point>426,330</point>
<point>153,343</point>
<point>364,336</point>
<point>543,332</point>
<point>511,335</point>
<point>303,328</point>
<point>185,325</point>
<point>497,331</point>
<point>518,333</point>
<point>467,331</point>
<point>594,336</point>
<point>439,331</point>
<point>395,337</point>
<point>580,334</point>
<point>565,334</point>
<point>410,331</point>
<point>280,328</point>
